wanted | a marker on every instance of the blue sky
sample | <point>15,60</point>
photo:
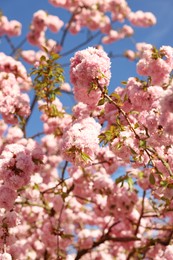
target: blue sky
<point>158,35</point>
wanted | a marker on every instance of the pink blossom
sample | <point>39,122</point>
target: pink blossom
<point>15,28</point>
<point>5,256</point>
<point>9,65</point>
<point>12,219</point>
<point>142,19</point>
<point>11,28</point>
<point>14,134</point>
<point>4,25</point>
<point>35,37</point>
<point>65,87</point>
<point>79,139</point>
<point>40,20</point>
<point>32,56</point>
<point>51,45</point>
<point>80,110</point>
<point>111,37</point>
<point>156,64</point>
<point>168,253</point>
<point>131,55</point>
<point>13,102</point>
<point>55,124</point>
<point>7,197</point>
<point>89,68</point>
<point>18,163</point>
<point>54,23</point>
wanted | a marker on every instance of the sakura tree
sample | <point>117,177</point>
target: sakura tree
<point>97,181</point>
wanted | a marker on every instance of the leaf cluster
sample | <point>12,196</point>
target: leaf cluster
<point>113,132</point>
<point>48,77</point>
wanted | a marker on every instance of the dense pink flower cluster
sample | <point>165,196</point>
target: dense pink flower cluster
<point>40,23</point>
<point>156,64</point>
<point>55,124</point>
<point>13,103</point>
<point>32,56</point>
<point>10,28</point>
<point>80,139</point>
<point>5,256</point>
<point>113,35</point>
<point>9,65</point>
<point>89,71</point>
<point>93,15</point>
<point>142,19</point>
<point>18,163</point>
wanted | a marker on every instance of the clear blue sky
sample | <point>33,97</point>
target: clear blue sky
<point>160,34</point>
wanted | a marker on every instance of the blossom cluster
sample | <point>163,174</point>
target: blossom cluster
<point>93,15</point>
<point>80,141</point>
<point>89,71</point>
<point>156,64</point>
<point>40,23</point>
<point>14,104</point>
<point>10,28</point>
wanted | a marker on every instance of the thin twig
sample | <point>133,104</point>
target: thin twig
<point>10,42</point>
<point>81,44</point>
<point>18,46</point>
<point>141,214</point>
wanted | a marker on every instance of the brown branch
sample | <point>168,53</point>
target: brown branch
<point>28,118</point>
<point>59,232</point>
<point>81,44</point>
<point>63,170</point>
<point>10,43</point>
<point>68,26</point>
<point>18,46</point>
<point>102,240</point>
<point>141,214</point>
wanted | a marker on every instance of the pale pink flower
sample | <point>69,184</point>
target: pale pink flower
<point>89,68</point>
<point>79,139</point>
<point>40,20</point>
<point>7,197</point>
<point>168,252</point>
<point>158,65</point>
<point>10,28</point>
<point>15,28</point>
<point>54,23</point>
<point>142,19</point>
<point>65,87</point>
<point>112,36</point>
<point>5,256</point>
<point>131,55</point>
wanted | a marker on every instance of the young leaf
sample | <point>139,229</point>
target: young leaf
<point>152,178</point>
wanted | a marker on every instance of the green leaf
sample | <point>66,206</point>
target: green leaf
<point>133,151</point>
<point>121,179</point>
<point>85,156</point>
<point>124,82</point>
<point>43,58</point>
<point>141,175</point>
<point>136,125</point>
<point>101,102</point>
<point>119,145</point>
<point>142,144</point>
<point>55,56</point>
<point>115,95</point>
<point>130,183</point>
<point>152,178</point>
<point>67,236</point>
<point>170,186</point>
<point>45,49</point>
